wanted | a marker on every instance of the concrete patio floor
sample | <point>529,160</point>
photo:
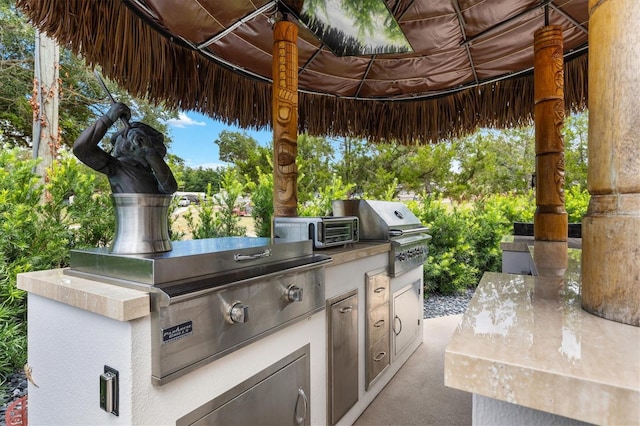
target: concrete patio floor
<point>416,395</point>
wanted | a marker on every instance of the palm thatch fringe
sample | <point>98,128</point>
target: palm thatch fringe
<point>108,34</point>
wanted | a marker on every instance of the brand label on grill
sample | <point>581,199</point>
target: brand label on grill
<point>177,331</point>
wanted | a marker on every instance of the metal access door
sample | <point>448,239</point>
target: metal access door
<point>407,314</point>
<point>343,355</point>
<point>278,396</point>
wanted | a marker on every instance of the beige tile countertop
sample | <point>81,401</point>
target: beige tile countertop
<point>119,303</point>
<point>526,340</point>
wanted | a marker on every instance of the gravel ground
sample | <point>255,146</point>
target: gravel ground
<point>16,388</point>
<point>436,305</point>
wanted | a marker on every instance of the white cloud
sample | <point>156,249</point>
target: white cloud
<point>184,120</point>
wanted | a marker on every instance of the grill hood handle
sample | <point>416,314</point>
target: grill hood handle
<point>400,232</point>
<point>241,257</point>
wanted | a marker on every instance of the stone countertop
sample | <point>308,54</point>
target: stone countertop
<point>116,302</point>
<point>354,251</point>
<point>523,242</point>
<point>526,340</point>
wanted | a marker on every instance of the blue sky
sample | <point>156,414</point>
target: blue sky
<point>193,137</point>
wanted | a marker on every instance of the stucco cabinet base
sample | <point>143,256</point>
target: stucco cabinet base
<point>77,326</point>
<point>69,346</point>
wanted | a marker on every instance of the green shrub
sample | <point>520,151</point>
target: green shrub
<point>215,216</point>
<point>262,200</point>
<point>39,224</point>
<point>466,238</point>
<point>576,203</point>
<point>321,204</point>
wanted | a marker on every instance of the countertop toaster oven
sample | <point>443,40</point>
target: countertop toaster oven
<point>324,231</point>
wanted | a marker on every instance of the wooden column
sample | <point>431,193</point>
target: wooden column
<point>550,219</point>
<point>46,137</point>
<point>285,119</point>
<point>611,228</point>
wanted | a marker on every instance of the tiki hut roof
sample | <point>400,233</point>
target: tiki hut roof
<point>471,63</point>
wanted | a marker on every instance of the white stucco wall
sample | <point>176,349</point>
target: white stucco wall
<point>68,348</point>
<point>490,412</point>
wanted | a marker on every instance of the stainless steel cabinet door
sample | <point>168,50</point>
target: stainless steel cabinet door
<point>278,396</point>
<point>407,314</point>
<point>343,357</point>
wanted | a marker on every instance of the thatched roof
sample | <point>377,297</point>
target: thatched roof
<point>471,66</point>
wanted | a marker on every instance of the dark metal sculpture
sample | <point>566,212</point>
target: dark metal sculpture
<point>136,164</point>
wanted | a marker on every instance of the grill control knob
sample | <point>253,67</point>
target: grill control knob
<point>294,294</point>
<point>239,313</point>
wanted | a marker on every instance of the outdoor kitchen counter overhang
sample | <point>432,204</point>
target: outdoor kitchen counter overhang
<point>526,340</point>
<point>126,304</point>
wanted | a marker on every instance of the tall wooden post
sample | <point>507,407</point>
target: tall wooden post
<point>285,119</point>
<point>550,219</point>
<point>46,139</point>
<point>611,228</point>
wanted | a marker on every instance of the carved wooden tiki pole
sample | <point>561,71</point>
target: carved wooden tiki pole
<point>611,228</point>
<point>550,220</point>
<point>285,119</point>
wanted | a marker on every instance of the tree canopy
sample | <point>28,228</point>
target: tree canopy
<point>82,98</point>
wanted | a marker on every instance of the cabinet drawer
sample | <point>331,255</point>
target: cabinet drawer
<point>378,323</point>
<point>377,289</point>
<point>378,359</point>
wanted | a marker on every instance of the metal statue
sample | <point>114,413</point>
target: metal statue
<point>136,164</point>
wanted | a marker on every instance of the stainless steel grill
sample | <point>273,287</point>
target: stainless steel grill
<point>213,296</point>
<point>393,222</point>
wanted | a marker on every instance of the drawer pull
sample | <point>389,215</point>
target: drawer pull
<point>346,309</point>
<point>380,290</point>
<point>379,324</point>
<point>380,356</point>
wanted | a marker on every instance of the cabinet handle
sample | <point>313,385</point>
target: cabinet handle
<point>346,309</point>
<point>380,356</point>
<point>380,290</point>
<point>379,324</point>
<point>305,405</point>
<point>394,325</point>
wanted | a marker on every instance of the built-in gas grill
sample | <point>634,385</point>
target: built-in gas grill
<point>213,296</point>
<point>393,222</point>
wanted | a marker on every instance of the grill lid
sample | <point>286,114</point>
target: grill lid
<point>228,258</point>
<point>380,220</point>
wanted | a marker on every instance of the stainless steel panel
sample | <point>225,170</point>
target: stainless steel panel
<point>278,395</point>
<point>198,330</point>
<point>343,354</point>
<point>187,260</point>
<point>377,360</point>
<point>378,323</point>
<point>407,314</point>
<point>407,253</point>
<point>377,289</point>
<point>377,349</point>
<point>378,219</point>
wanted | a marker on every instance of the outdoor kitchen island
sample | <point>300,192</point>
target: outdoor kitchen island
<point>531,355</point>
<point>84,331</point>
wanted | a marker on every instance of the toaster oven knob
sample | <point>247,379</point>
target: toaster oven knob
<point>239,313</point>
<point>294,294</point>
